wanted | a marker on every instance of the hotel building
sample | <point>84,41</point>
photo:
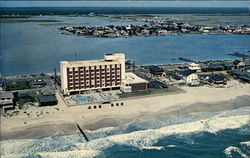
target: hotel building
<point>105,74</point>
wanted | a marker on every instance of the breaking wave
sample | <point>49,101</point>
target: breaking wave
<point>167,135</point>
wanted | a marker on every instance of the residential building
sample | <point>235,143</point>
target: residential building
<point>1,84</point>
<point>217,79</point>
<point>104,74</point>
<point>239,64</point>
<point>194,66</point>
<point>156,71</point>
<point>6,102</point>
<point>189,76</point>
<point>47,97</point>
<point>242,75</point>
<point>228,65</point>
<point>133,83</point>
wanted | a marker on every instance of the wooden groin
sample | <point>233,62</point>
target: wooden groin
<point>82,132</point>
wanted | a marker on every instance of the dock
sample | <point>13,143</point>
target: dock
<point>186,59</point>
<point>237,54</point>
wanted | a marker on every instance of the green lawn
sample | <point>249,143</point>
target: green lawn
<point>18,85</point>
<point>171,89</point>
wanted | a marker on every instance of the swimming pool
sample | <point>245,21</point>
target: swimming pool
<point>81,99</point>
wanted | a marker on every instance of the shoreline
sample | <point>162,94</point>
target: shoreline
<point>197,99</point>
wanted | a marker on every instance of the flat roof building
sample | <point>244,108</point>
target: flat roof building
<point>133,83</point>
<point>78,76</point>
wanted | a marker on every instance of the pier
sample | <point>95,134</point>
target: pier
<point>237,54</point>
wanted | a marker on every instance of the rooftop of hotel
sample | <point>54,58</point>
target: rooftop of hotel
<point>131,78</point>
<point>95,62</point>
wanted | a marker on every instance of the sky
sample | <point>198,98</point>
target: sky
<point>124,3</point>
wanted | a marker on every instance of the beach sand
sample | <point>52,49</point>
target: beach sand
<point>60,119</point>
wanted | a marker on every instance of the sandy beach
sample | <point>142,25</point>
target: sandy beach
<point>60,120</point>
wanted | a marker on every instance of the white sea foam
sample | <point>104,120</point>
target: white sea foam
<point>247,143</point>
<point>153,147</point>
<point>73,154</point>
<point>147,138</point>
<point>171,146</point>
<point>228,151</point>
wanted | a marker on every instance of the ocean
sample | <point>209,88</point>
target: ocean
<point>222,134</point>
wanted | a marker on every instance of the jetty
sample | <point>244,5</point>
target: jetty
<point>237,54</point>
<point>83,134</point>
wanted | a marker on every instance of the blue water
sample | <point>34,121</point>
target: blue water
<point>124,10</point>
<point>29,48</point>
<point>156,138</point>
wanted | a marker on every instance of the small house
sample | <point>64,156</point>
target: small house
<point>242,75</point>
<point>228,65</point>
<point>38,83</point>
<point>215,67</point>
<point>194,66</point>
<point>47,97</point>
<point>156,71</point>
<point>189,76</point>
<point>217,79</point>
<point>6,102</point>
<point>239,64</point>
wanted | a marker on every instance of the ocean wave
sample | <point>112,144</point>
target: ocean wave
<point>229,150</point>
<point>147,138</point>
<point>153,147</point>
<point>163,121</point>
<point>73,154</point>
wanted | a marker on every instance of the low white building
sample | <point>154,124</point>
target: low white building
<point>192,79</point>
<point>189,77</point>
<point>194,66</point>
<point>133,83</point>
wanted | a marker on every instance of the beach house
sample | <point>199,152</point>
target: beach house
<point>6,102</point>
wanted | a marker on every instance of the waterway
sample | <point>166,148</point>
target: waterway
<point>32,47</point>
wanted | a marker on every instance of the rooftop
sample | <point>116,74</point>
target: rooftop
<point>44,99</point>
<point>187,72</point>
<point>155,69</point>
<point>47,91</point>
<point>6,95</point>
<point>131,78</point>
<point>109,59</point>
